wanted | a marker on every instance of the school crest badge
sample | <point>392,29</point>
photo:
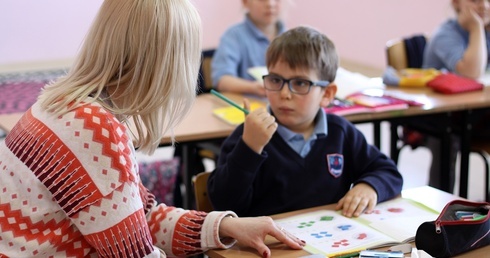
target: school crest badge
<point>335,164</point>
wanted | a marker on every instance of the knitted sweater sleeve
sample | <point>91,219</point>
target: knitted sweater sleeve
<point>181,232</point>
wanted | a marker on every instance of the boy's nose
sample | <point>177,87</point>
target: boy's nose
<point>285,91</point>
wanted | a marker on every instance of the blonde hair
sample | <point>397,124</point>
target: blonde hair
<point>148,51</point>
<point>305,47</point>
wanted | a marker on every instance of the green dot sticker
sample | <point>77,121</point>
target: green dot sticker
<point>326,218</point>
<point>306,224</point>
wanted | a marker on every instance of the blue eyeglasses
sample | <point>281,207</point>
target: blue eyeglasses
<point>297,86</point>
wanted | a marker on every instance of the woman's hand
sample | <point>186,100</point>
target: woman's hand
<point>361,198</point>
<point>252,231</point>
<point>258,128</point>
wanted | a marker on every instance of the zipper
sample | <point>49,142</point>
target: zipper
<point>438,226</point>
<point>438,222</point>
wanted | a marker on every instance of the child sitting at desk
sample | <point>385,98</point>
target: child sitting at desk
<point>460,45</point>
<point>294,155</point>
<point>244,45</point>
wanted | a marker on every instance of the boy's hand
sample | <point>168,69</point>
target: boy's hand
<point>362,197</point>
<point>258,128</point>
<point>468,18</point>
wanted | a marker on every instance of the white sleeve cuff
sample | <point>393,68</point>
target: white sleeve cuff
<point>210,231</point>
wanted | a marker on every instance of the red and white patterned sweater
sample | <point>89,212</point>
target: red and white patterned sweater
<point>69,187</point>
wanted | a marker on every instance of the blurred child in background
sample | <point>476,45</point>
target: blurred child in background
<point>460,45</point>
<point>244,45</point>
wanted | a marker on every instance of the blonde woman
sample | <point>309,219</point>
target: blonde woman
<point>68,174</point>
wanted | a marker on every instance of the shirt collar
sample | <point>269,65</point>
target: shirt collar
<point>258,33</point>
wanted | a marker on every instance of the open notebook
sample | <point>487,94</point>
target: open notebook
<point>329,233</point>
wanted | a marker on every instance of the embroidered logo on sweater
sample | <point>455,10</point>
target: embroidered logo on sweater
<point>335,164</point>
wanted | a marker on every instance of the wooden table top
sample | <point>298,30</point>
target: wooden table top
<point>426,195</point>
<point>200,124</point>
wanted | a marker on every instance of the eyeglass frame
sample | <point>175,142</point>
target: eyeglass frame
<point>323,84</point>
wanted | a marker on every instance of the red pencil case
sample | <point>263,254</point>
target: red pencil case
<point>452,234</point>
<point>450,83</point>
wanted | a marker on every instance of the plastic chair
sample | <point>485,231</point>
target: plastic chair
<point>209,150</point>
<point>404,53</point>
<point>398,55</point>
<point>200,182</point>
<point>205,81</point>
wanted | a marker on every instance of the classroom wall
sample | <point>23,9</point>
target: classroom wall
<point>51,30</point>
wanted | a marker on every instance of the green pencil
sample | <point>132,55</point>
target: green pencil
<point>356,254</point>
<point>229,101</point>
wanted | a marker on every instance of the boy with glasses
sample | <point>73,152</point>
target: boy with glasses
<point>293,155</point>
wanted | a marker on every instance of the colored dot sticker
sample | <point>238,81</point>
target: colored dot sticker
<point>326,218</point>
<point>306,224</point>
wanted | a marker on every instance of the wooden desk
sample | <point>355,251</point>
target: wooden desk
<point>200,125</point>
<point>436,103</point>
<point>426,195</point>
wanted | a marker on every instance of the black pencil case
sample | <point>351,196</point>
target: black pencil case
<point>452,233</point>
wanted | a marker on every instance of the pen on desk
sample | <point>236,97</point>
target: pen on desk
<point>229,101</point>
<point>356,254</point>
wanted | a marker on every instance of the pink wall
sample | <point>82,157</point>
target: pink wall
<point>40,31</point>
<point>36,31</point>
<point>360,28</point>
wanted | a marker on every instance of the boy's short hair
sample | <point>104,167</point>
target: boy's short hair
<point>304,47</point>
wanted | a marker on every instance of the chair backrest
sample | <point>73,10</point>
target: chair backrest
<point>200,182</point>
<point>205,81</point>
<point>407,52</point>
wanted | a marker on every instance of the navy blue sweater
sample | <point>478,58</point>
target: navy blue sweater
<point>280,180</point>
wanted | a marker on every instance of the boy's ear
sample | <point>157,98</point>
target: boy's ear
<point>329,94</point>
